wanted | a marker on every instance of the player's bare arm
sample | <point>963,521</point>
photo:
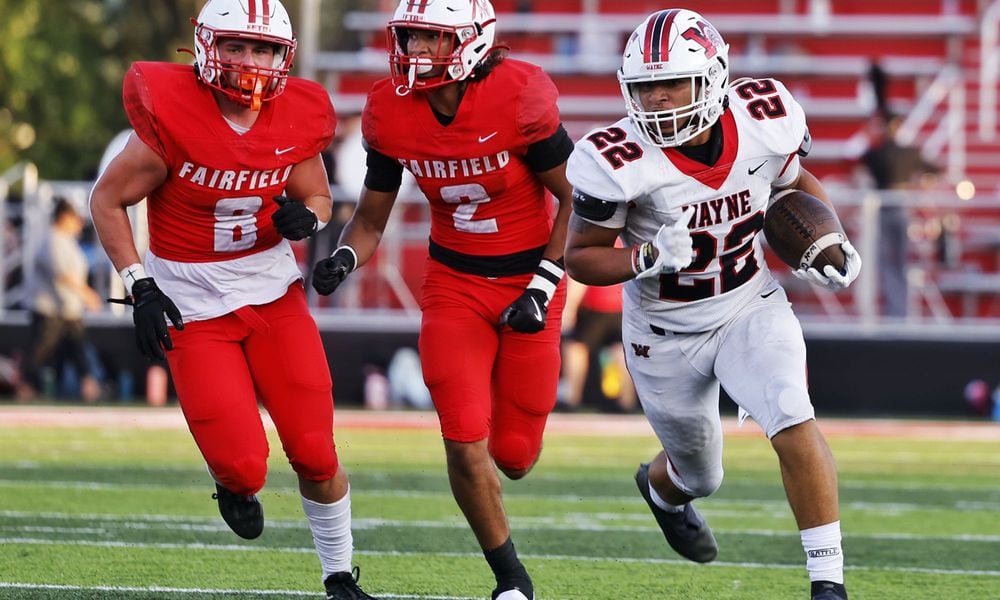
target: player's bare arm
<point>307,183</point>
<point>554,180</point>
<point>364,231</point>
<point>129,178</point>
<point>808,183</point>
<point>591,257</point>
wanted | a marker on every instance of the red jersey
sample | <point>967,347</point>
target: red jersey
<point>485,200</point>
<point>216,202</point>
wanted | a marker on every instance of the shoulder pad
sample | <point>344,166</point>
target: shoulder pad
<point>778,120</point>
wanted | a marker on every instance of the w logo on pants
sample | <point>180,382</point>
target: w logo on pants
<point>642,351</point>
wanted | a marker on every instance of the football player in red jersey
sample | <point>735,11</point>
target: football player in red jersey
<point>482,136</point>
<point>685,180</point>
<point>228,155</point>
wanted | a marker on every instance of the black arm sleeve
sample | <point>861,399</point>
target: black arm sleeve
<point>550,152</point>
<point>384,174</point>
<point>591,208</point>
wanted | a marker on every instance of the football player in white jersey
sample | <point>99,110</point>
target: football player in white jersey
<point>685,179</point>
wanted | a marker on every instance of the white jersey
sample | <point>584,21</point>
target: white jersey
<point>764,129</point>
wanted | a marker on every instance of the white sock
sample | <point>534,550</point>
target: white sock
<point>824,556</point>
<point>657,500</point>
<point>331,530</point>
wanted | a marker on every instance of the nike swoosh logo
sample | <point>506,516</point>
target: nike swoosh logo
<point>769,293</point>
<point>538,310</point>
<point>278,152</point>
<point>757,168</point>
<point>484,138</point>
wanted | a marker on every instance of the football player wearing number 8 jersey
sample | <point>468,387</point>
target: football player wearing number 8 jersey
<point>685,180</point>
<point>227,153</point>
<point>481,135</point>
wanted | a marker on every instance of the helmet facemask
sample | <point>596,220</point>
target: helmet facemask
<point>676,126</point>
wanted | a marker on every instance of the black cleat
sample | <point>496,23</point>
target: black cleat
<point>243,514</point>
<point>686,532</point>
<point>344,586</point>
<point>828,590</point>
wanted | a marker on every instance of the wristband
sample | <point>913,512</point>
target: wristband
<point>130,275</point>
<point>547,277</point>
<point>320,223</point>
<point>642,257</point>
<point>349,253</point>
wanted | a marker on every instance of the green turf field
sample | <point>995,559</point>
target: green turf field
<point>125,512</point>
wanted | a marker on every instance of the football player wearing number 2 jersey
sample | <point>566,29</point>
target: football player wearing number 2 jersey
<point>685,180</point>
<point>481,135</point>
<point>228,155</point>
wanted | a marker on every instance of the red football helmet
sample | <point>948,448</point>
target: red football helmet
<point>254,20</point>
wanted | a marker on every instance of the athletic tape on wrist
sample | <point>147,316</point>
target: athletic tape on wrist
<point>547,277</point>
<point>642,257</point>
<point>130,275</point>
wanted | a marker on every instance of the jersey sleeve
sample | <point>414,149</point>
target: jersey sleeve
<point>323,124</point>
<point>597,196</point>
<point>369,121</point>
<point>140,110</point>
<point>537,112</point>
<point>780,120</point>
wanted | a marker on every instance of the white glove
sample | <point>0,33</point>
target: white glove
<point>674,246</point>
<point>831,278</point>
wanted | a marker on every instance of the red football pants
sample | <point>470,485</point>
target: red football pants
<point>488,381</point>
<point>273,351</point>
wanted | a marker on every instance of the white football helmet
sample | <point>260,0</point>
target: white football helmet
<point>257,20</point>
<point>675,44</point>
<point>472,25</point>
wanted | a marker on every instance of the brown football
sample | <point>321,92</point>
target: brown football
<point>804,232</point>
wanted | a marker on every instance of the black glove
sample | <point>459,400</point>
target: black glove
<point>293,219</point>
<point>527,313</point>
<point>331,272</point>
<point>149,306</point>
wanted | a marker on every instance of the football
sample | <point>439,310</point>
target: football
<point>804,232</point>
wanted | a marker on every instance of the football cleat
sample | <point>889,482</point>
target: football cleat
<point>243,514</point>
<point>344,586</point>
<point>686,532</point>
<point>828,590</point>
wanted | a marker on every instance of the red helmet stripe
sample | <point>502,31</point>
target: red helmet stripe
<point>656,44</point>
<point>266,12</point>
<point>252,5</point>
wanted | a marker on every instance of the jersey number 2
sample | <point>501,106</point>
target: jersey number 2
<point>467,198</point>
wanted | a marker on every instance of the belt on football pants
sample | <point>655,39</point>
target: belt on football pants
<point>657,330</point>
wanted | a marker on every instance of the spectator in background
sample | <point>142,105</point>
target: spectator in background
<point>592,323</point>
<point>59,298</point>
<point>897,167</point>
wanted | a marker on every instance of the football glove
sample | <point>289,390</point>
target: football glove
<point>527,314</point>
<point>831,278</point>
<point>149,305</point>
<point>674,248</point>
<point>293,219</point>
<point>331,272</point>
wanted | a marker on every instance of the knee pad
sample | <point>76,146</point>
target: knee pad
<point>514,452</point>
<point>313,456</point>
<point>697,484</point>
<point>244,476</point>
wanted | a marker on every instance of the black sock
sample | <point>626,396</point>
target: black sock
<point>507,568</point>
